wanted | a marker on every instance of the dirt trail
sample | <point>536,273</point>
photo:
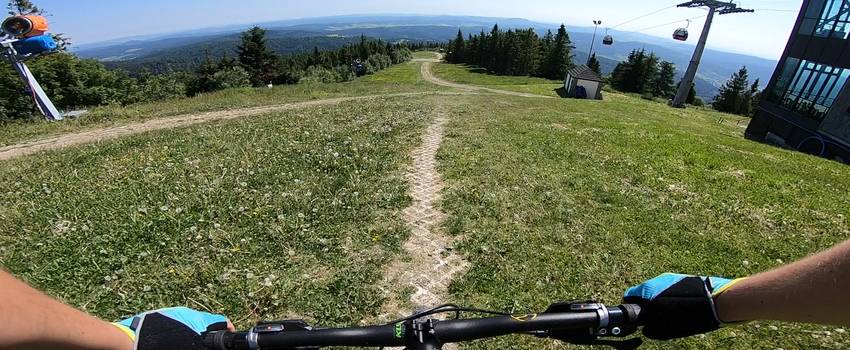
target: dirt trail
<point>430,264</point>
<point>102,134</point>
<point>429,76</point>
<point>67,140</point>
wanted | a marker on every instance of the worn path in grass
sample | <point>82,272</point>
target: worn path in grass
<point>67,140</point>
<point>431,264</point>
<point>429,76</point>
<point>59,142</point>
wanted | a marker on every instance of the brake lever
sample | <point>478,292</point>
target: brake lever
<point>590,336</point>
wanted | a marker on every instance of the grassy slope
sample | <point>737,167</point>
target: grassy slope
<point>560,200</point>
<point>252,218</point>
<point>469,75</point>
<point>577,199</point>
<point>402,78</point>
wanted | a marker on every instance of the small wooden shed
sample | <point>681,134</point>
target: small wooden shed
<point>583,76</point>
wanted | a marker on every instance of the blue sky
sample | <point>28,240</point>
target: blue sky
<point>763,33</point>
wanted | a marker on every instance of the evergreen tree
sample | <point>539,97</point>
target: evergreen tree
<point>733,95</point>
<point>754,96</point>
<point>662,85</point>
<point>692,94</point>
<point>634,74</point>
<point>594,64</point>
<point>560,58</point>
<point>256,58</point>
<point>457,49</point>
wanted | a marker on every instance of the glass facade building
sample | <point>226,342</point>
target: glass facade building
<point>806,104</point>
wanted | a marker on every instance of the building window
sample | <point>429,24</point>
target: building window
<point>827,19</point>
<point>808,88</point>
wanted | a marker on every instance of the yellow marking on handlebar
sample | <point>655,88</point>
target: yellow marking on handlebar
<point>523,318</point>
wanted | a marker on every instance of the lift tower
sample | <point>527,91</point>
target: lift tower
<point>714,7</point>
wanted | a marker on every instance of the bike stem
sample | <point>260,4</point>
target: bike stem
<point>423,336</point>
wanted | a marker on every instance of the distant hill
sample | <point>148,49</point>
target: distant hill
<point>331,32</point>
<point>190,56</point>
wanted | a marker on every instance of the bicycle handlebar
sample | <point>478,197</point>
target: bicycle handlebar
<point>577,323</point>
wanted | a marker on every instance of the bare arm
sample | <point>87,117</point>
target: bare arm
<point>813,290</point>
<point>31,320</point>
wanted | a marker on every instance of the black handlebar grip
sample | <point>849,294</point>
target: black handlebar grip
<point>637,315</point>
<point>215,340</point>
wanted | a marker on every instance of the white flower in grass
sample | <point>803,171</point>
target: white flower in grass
<point>146,288</point>
<point>267,282</point>
<point>301,215</point>
<point>178,210</point>
<point>241,209</point>
<point>281,217</point>
<point>217,225</point>
<point>193,228</point>
<point>249,275</point>
<point>746,263</point>
<point>163,208</point>
<point>243,184</point>
<point>143,255</point>
<point>103,251</point>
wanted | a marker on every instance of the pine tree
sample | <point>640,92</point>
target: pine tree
<point>636,73</point>
<point>662,85</point>
<point>23,7</point>
<point>560,58</point>
<point>732,96</point>
<point>458,47</point>
<point>692,94</point>
<point>754,96</point>
<point>256,58</point>
<point>594,64</point>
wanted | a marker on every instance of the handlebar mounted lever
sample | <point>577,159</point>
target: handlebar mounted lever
<point>616,322</point>
<point>278,327</point>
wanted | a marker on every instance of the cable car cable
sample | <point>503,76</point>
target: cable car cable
<point>646,15</point>
<point>660,25</point>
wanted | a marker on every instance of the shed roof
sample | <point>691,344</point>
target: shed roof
<point>584,73</point>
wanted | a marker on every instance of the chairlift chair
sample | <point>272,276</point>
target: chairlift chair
<point>608,39</point>
<point>681,34</point>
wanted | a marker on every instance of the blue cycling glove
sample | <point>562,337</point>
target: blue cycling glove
<point>171,329</point>
<point>679,305</point>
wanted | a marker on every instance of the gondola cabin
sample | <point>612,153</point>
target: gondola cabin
<point>608,40</point>
<point>681,34</point>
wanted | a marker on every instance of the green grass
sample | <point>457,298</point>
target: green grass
<point>576,199</point>
<point>424,54</point>
<point>556,200</point>
<point>401,78</point>
<point>292,213</point>
<point>464,74</point>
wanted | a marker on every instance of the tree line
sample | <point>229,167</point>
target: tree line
<point>522,52</point>
<point>71,82</point>
<point>648,75</point>
<point>515,52</point>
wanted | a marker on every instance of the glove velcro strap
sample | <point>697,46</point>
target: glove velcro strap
<point>126,330</point>
<point>717,292</point>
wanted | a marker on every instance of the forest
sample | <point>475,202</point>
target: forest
<point>71,82</point>
<point>191,57</point>
<point>515,52</point>
<point>521,52</point>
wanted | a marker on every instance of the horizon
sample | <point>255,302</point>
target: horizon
<point>763,34</point>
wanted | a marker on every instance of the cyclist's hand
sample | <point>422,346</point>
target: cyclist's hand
<point>679,305</point>
<point>175,328</point>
